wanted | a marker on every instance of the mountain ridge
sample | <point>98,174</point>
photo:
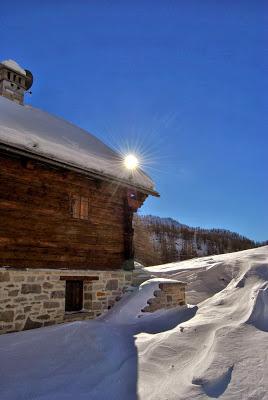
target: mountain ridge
<point>159,240</point>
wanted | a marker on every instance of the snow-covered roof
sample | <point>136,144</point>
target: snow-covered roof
<point>41,134</point>
<point>14,65</point>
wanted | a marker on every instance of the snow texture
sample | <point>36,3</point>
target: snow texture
<point>14,65</point>
<point>43,134</point>
<point>129,308</point>
<point>215,349</point>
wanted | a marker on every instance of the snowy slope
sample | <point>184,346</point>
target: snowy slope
<point>43,134</point>
<point>205,276</point>
<point>217,349</point>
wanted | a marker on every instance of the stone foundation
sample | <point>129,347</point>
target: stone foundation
<point>34,298</point>
<point>169,295</point>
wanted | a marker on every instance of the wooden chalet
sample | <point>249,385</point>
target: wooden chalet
<point>66,208</point>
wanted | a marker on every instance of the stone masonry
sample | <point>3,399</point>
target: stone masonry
<point>169,295</point>
<point>34,298</point>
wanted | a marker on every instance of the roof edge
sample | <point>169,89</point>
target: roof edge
<point>75,168</point>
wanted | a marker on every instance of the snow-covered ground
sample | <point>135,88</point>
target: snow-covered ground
<point>215,349</point>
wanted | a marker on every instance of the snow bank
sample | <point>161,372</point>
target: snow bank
<point>43,134</point>
<point>217,349</point>
<point>259,313</point>
<point>129,308</point>
<point>209,275</point>
<point>14,65</point>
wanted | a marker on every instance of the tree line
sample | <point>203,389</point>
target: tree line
<point>162,240</point>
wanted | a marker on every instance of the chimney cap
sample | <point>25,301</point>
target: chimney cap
<point>14,66</point>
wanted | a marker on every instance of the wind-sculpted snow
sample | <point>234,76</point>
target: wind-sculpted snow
<point>215,387</point>
<point>259,314</point>
<point>214,349</point>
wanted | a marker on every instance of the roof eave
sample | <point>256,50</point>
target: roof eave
<point>75,168</point>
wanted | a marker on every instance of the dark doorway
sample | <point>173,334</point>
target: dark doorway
<point>74,296</point>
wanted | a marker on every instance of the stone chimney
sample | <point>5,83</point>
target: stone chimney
<point>14,81</point>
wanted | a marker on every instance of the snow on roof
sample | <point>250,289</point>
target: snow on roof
<point>42,134</point>
<point>14,65</point>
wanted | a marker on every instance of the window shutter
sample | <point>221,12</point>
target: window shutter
<point>80,207</point>
<point>84,208</point>
<point>76,206</point>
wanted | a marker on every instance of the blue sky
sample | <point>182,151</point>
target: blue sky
<point>184,83</point>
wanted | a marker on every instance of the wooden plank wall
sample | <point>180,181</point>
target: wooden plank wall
<point>37,228</point>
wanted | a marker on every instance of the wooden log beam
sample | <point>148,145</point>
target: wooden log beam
<point>78,278</point>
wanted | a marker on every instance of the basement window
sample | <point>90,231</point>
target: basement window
<point>80,207</point>
<point>74,295</point>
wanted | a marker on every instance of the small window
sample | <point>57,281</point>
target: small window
<point>80,207</point>
<point>132,199</point>
<point>132,194</point>
<point>74,296</point>
<point>8,75</point>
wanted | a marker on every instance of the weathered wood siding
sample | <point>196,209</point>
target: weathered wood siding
<point>37,228</point>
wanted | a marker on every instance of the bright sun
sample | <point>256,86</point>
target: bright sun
<point>131,162</point>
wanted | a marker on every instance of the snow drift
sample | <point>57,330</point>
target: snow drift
<point>214,349</point>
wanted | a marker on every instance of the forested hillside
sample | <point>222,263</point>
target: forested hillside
<point>161,240</point>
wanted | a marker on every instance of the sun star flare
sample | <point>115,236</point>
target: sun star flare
<point>131,162</point>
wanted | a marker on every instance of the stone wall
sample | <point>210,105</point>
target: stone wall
<point>32,298</point>
<point>169,295</point>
